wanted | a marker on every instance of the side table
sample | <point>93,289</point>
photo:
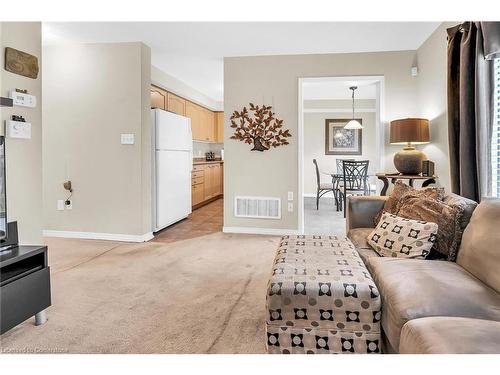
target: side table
<point>384,177</point>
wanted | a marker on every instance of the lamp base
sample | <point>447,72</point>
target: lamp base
<point>409,160</point>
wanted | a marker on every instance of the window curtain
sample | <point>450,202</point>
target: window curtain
<point>471,48</point>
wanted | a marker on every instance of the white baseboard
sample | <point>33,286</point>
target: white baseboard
<point>99,236</point>
<point>312,195</point>
<point>309,195</point>
<point>267,231</point>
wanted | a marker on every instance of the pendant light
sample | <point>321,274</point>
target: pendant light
<point>353,124</point>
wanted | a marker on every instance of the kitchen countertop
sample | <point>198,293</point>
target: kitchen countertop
<point>202,161</point>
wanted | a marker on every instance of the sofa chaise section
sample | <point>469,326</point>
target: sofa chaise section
<point>412,289</point>
<point>446,335</point>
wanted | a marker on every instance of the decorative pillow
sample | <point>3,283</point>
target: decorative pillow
<point>398,237</point>
<point>400,190</point>
<point>446,216</point>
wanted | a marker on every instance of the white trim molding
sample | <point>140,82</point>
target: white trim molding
<point>99,236</point>
<point>379,81</point>
<point>252,230</point>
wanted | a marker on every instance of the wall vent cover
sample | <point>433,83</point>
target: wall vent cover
<point>257,207</point>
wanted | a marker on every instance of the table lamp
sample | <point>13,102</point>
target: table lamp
<point>409,131</point>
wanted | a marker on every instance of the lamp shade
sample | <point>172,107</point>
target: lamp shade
<point>353,124</point>
<point>410,130</point>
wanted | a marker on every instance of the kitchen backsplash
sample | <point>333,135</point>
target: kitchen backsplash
<point>199,149</point>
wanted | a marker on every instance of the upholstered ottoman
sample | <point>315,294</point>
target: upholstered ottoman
<point>321,299</point>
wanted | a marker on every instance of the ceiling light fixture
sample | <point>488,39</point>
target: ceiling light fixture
<point>353,124</point>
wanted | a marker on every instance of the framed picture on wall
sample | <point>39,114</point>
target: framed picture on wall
<point>340,141</point>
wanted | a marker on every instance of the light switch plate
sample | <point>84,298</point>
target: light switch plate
<point>18,129</point>
<point>290,207</point>
<point>290,195</point>
<point>60,205</point>
<point>127,139</point>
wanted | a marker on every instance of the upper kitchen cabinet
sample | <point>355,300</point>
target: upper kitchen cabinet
<point>193,111</point>
<point>208,125</point>
<point>176,104</point>
<point>158,98</point>
<point>202,122</point>
<point>219,127</point>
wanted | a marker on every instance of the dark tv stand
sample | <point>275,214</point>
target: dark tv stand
<point>24,283</point>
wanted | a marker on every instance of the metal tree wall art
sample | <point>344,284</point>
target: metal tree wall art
<point>259,126</point>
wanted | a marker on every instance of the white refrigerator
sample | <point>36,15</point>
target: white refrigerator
<point>172,165</point>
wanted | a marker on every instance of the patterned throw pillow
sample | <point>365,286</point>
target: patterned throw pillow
<point>398,237</point>
<point>400,190</point>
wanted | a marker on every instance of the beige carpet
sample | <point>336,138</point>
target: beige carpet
<point>202,295</point>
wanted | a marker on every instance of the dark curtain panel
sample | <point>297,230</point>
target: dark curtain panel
<point>470,103</point>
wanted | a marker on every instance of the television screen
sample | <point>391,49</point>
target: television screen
<point>3,197</point>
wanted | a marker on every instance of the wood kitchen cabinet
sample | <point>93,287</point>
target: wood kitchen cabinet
<point>197,194</point>
<point>219,127</point>
<point>217,179</point>
<point>208,125</point>
<point>176,104</point>
<point>207,181</point>
<point>202,122</point>
<point>194,113</point>
<point>158,98</point>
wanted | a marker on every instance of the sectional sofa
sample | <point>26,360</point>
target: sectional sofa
<point>435,306</point>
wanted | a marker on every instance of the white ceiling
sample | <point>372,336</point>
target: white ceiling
<point>324,90</point>
<point>193,52</point>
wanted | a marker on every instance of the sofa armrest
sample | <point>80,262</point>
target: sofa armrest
<point>361,211</point>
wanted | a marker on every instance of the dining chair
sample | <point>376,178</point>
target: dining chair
<point>337,182</point>
<point>321,187</point>
<point>354,179</point>
<point>340,167</point>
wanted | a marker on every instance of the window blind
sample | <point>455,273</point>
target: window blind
<point>495,149</point>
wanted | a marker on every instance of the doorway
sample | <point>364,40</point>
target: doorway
<point>325,106</point>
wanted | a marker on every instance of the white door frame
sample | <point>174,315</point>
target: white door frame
<point>379,130</point>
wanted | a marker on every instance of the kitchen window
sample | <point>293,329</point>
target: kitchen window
<point>495,149</point>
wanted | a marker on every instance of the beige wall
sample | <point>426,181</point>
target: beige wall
<point>23,156</point>
<point>94,93</point>
<point>274,79</point>
<point>432,99</point>
<point>314,146</point>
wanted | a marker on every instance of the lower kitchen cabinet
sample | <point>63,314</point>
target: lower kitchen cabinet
<point>198,194</point>
<point>206,183</point>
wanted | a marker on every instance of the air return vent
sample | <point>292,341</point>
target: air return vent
<point>257,207</point>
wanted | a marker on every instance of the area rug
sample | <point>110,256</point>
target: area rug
<point>201,295</point>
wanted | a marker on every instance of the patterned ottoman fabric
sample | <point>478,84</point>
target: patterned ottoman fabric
<point>321,299</point>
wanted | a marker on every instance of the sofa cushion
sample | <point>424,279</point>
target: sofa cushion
<point>446,216</point>
<point>447,335</point>
<point>468,206</point>
<point>399,190</point>
<point>398,237</point>
<point>412,289</point>
<point>358,237</point>
<point>480,250</point>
